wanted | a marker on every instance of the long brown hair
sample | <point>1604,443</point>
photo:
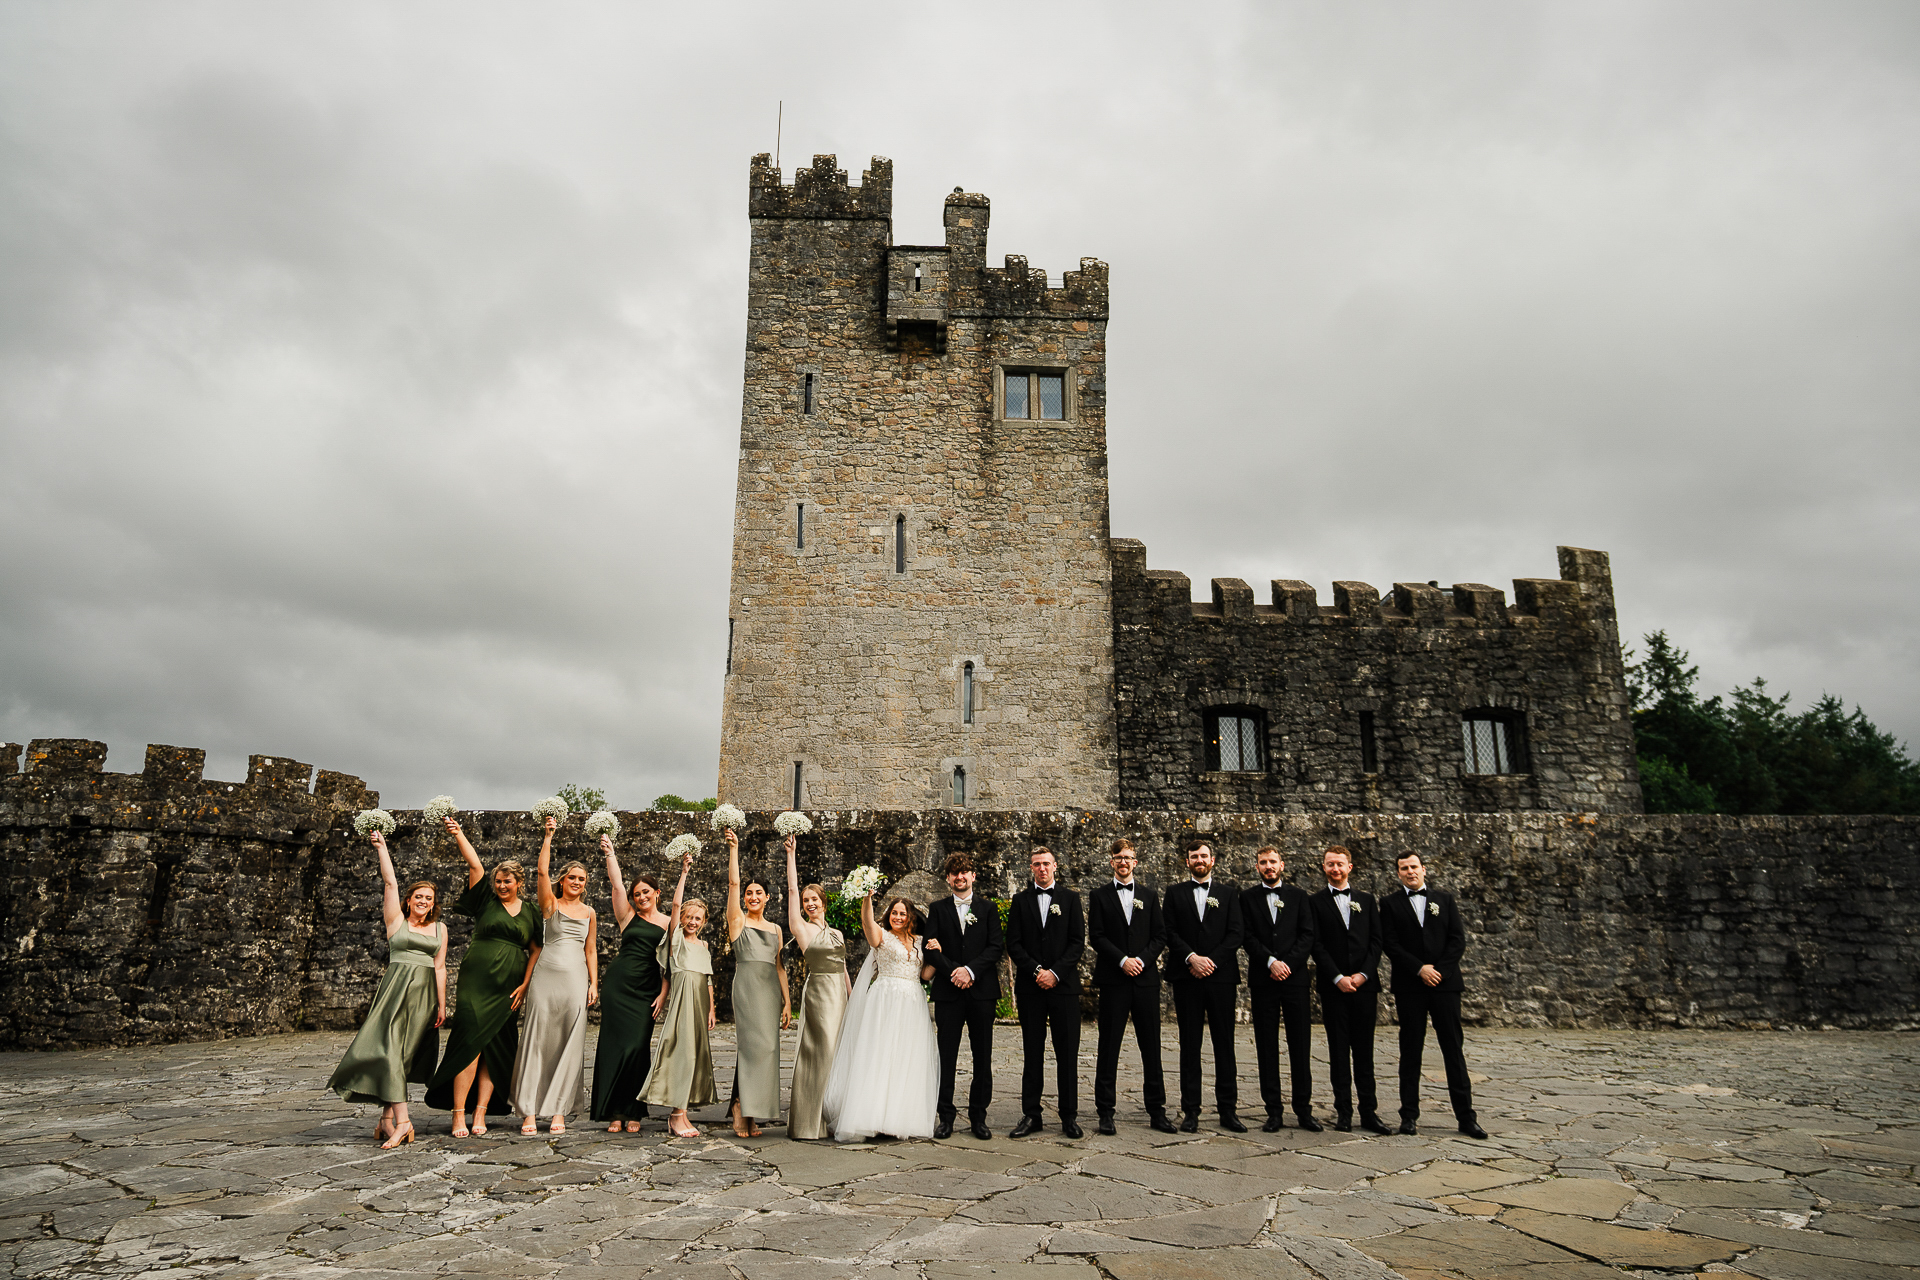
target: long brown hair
<point>886,921</point>
<point>432,915</point>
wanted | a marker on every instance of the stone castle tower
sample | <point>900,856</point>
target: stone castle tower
<point>921,604</point>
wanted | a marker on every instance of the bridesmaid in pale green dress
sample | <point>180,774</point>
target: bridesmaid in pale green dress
<point>682,1073</point>
<point>823,1000</point>
<point>398,1042</point>
<point>762,1007</point>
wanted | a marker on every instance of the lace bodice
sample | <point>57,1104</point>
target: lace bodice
<point>896,961</point>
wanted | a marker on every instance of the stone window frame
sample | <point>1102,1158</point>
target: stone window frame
<point>1509,745</point>
<point>1210,736</point>
<point>801,373</point>
<point>1069,390</point>
<point>956,672</point>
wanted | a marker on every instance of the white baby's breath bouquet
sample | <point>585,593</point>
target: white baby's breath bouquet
<point>437,810</point>
<point>793,824</point>
<point>727,815</point>
<point>369,820</point>
<point>860,882</point>
<point>605,824</point>
<point>682,845</point>
<point>552,807</point>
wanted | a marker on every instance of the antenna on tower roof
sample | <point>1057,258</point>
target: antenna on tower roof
<point>779,123</point>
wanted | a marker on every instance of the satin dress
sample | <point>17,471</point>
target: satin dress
<point>548,1075</point>
<point>397,1042</point>
<point>823,1007</point>
<point>756,1023</point>
<point>682,1074</point>
<point>625,1052</point>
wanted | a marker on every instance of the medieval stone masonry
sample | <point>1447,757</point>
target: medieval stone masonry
<point>927,610</point>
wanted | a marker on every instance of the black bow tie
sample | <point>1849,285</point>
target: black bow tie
<point>1124,888</point>
<point>1347,892</point>
<point>1273,890</point>
<point>1200,884</point>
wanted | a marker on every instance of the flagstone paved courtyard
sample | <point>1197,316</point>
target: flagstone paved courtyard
<point>1777,1155</point>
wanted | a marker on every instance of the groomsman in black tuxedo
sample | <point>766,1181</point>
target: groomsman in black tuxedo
<point>1203,945</point>
<point>1346,962</point>
<point>966,987</point>
<point>1046,933</point>
<point>1278,924</point>
<point>1423,933</point>
<point>1128,935</point>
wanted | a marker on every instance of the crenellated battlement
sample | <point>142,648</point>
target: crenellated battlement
<point>173,774</point>
<point>820,191</point>
<point>1582,598</point>
<point>1020,290</point>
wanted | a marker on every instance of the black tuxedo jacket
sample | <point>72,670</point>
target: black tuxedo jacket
<point>1114,938</point>
<point>1288,939</point>
<point>1217,937</point>
<point>1440,940</point>
<point>978,949</point>
<point>1058,946</point>
<point>1339,948</point>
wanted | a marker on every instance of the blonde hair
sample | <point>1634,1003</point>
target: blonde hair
<point>689,905</point>
<point>806,889</point>
<point>512,868</point>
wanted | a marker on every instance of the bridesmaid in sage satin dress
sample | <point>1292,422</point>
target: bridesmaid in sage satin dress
<point>761,1005</point>
<point>823,1001</point>
<point>563,981</point>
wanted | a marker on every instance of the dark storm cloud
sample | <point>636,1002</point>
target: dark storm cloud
<point>370,376</point>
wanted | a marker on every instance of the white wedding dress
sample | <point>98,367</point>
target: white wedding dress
<point>886,1070</point>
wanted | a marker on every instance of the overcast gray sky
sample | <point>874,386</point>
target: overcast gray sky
<point>369,373</point>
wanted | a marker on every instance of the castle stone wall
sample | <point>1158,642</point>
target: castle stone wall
<point>843,659</point>
<point>1412,663</point>
<point>154,907</point>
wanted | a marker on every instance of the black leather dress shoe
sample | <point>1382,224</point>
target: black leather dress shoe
<point>944,1129</point>
<point>1312,1125</point>
<point>1274,1124</point>
<point>1409,1128</point>
<point>1105,1124</point>
<point>1473,1130</point>
<point>1374,1124</point>
<point>1072,1129</point>
<point>1026,1126</point>
<point>1161,1124</point>
<point>1231,1123</point>
<point>1189,1124</point>
<point>1343,1124</point>
<point>981,1131</point>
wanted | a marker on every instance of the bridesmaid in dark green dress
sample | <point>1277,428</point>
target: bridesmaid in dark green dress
<point>485,1037</point>
<point>632,984</point>
<point>397,1042</point>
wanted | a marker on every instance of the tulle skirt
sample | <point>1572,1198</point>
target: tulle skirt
<point>886,1071</point>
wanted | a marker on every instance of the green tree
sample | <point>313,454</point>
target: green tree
<point>671,803</point>
<point>583,799</point>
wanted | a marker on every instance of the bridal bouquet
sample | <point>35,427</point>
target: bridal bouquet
<point>437,810</point>
<point>860,882</point>
<point>795,824</point>
<point>552,807</point>
<point>605,824</point>
<point>682,845</point>
<point>727,815</point>
<point>374,820</point>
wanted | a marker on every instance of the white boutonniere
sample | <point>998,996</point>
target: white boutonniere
<point>1213,902</point>
<point>1055,910</point>
<point>1433,908</point>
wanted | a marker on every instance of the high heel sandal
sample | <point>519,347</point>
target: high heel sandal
<point>460,1129</point>
<point>400,1137</point>
<point>480,1123</point>
<point>558,1125</point>
<point>530,1126</point>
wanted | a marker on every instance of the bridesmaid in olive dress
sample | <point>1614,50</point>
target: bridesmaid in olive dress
<point>563,980</point>
<point>761,1006</point>
<point>625,1053</point>
<point>485,1037</point>
<point>682,1073</point>
<point>398,1042</point>
<point>823,1001</point>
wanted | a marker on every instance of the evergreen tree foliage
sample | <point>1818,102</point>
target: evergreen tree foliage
<point>1748,753</point>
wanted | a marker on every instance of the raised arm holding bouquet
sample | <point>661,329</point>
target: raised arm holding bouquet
<point>562,982</point>
<point>823,1001</point>
<point>682,1073</point>
<point>632,995</point>
<point>761,1002</point>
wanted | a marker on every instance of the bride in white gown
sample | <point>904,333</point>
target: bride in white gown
<point>886,1070</point>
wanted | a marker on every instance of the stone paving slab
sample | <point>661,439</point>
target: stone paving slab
<point>1613,1154</point>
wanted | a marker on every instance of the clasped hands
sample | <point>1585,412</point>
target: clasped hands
<point>962,976</point>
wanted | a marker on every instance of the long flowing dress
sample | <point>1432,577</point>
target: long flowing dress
<point>485,1024</point>
<point>823,1006</point>
<point>397,1041</point>
<point>886,1071</point>
<point>756,1022</point>
<point>625,1053</point>
<point>553,1042</point>
<point>682,1074</point>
